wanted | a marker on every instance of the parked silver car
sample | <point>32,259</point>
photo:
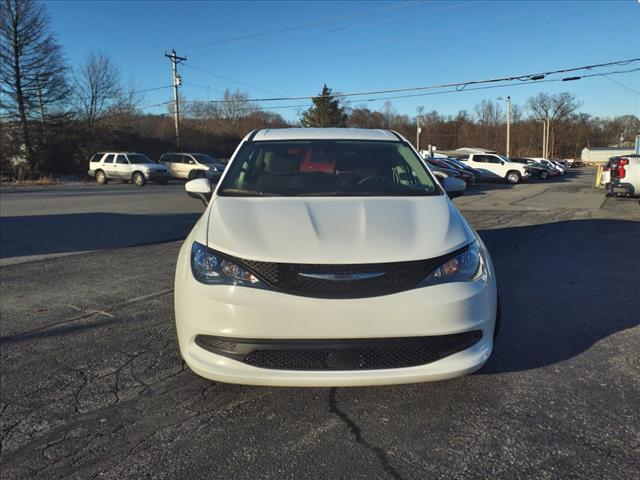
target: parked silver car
<point>126,167</point>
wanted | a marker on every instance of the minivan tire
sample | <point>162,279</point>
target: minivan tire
<point>513,177</point>
<point>101,177</point>
<point>139,179</point>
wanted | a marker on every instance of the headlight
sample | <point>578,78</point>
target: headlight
<point>213,269</point>
<point>465,267</point>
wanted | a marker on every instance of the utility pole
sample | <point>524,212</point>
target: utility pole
<point>544,138</point>
<point>508,126</point>
<point>548,137</point>
<point>419,111</point>
<point>177,81</point>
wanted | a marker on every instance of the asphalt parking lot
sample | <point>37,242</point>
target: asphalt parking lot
<point>93,386</point>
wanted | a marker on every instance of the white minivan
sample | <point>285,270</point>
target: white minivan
<point>332,257</point>
<point>192,165</point>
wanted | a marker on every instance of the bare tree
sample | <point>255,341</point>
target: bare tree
<point>554,107</point>
<point>236,105</point>
<point>489,114</point>
<point>201,110</point>
<point>98,89</point>
<point>388,112</point>
<point>128,100</point>
<point>33,75</point>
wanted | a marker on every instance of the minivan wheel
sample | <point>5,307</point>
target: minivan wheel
<point>101,178</point>
<point>138,179</point>
<point>544,175</point>
<point>513,177</point>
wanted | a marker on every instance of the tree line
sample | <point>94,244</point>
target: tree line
<point>54,117</point>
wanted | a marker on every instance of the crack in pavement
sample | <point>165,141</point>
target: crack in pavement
<point>382,456</point>
<point>88,314</point>
<point>97,312</point>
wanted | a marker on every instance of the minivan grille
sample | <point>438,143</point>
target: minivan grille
<point>349,354</point>
<point>353,280</point>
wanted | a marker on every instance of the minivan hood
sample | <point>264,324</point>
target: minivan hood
<point>153,166</point>
<point>336,229</point>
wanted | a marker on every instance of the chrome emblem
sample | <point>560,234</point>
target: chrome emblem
<point>347,277</point>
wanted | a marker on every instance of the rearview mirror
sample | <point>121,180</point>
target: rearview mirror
<point>199,188</point>
<point>454,187</point>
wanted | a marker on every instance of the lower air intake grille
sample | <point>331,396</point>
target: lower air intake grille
<point>360,354</point>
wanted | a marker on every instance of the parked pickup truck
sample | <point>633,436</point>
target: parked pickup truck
<point>625,176</point>
<point>126,167</point>
<point>497,167</point>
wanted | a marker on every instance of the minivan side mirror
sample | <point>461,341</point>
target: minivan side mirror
<point>199,188</point>
<point>454,187</point>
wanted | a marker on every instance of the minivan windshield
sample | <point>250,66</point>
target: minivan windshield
<point>139,158</point>
<point>327,168</point>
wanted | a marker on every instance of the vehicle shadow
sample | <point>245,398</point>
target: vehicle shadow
<point>488,185</point>
<point>48,234</point>
<point>563,287</point>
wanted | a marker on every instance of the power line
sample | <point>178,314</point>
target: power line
<point>623,85</point>
<point>296,27</point>
<point>487,87</point>
<point>204,87</point>
<point>145,107</point>
<point>422,94</point>
<point>151,89</point>
<point>230,80</point>
<point>458,85</point>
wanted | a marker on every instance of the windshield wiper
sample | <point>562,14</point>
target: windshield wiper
<point>237,192</point>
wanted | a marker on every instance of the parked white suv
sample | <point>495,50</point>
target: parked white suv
<point>330,257</point>
<point>498,167</point>
<point>126,167</point>
<point>192,165</point>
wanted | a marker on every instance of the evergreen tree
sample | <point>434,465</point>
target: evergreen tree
<point>325,112</point>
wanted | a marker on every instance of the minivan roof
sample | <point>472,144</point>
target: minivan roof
<point>184,153</point>
<point>324,134</point>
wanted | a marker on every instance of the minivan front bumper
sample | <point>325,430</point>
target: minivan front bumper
<point>155,175</point>
<point>231,317</point>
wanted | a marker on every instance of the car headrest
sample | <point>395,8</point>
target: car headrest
<point>274,164</point>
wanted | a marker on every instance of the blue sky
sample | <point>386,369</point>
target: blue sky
<point>292,48</point>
